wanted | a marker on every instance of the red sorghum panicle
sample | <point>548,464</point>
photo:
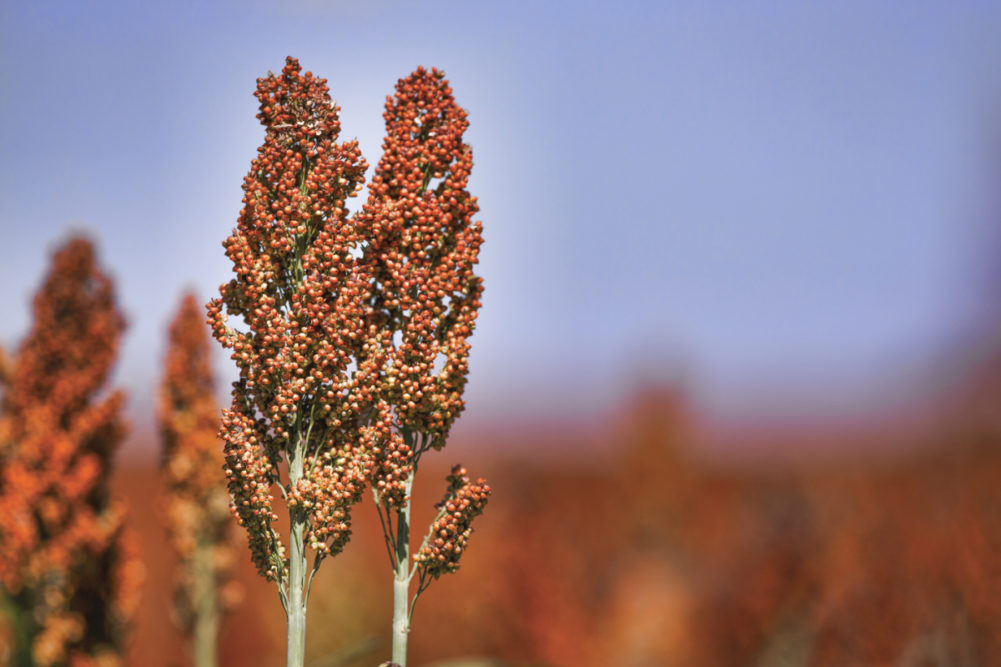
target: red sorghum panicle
<point>422,247</point>
<point>450,532</point>
<point>304,402</point>
<point>196,502</point>
<point>65,555</point>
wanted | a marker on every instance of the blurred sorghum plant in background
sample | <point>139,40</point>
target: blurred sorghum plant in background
<point>196,503</point>
<point>421,247</point>
<point>305,392</point>
<point>68,568</point>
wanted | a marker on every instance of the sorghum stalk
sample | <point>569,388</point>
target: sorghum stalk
<point>199,524</point>
<point>422,245</point>
<point>297,565</point>
<point>401,580</point>
<point>207,606</point>
<point>305,392</point>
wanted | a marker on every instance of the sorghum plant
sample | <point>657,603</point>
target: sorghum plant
<point>196,502</point>
<point>421,247</point>
<point>353,353</point>
<point>67,564</point>
<point>303,401</point>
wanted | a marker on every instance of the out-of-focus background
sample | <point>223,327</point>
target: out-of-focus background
<point>737,378</point>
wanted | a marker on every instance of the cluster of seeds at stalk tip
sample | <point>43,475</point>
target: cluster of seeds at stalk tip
<point>422,248</point>
<point>450,532</point>
<point>303,298</point>
<point>58,523</point>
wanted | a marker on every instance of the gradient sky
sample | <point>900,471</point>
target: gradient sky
<point>779,204</point>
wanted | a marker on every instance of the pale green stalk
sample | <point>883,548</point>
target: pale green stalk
<point>206,605</point>
<point>401,580</point>
<point>295,608</point>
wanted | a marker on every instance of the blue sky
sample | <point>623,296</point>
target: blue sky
<point>786,206</point>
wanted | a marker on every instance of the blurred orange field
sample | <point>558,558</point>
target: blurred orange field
<point>620,546</point>
<point>704,297</point>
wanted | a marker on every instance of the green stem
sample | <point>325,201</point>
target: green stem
<point>401,580</point>
<point>206,605</point>
<point>296,611</point>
